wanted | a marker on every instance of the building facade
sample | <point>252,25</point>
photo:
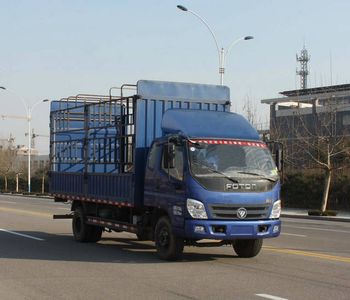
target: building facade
<point>19,157</point>
<point>308,121</point>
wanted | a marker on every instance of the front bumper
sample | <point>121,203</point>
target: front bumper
<point>232,230</point>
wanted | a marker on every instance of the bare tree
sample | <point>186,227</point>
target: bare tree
<point>18,169</point>
<point>250,112</point>
<point>42,173</point>
<point>7,157</point>
<point>312,140</point>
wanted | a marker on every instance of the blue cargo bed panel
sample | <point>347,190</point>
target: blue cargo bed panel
<point>114,188</point>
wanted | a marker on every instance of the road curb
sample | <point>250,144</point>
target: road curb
<point>321,218</point>
<point>28,196</point>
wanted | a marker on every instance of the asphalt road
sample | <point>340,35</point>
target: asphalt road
<point>40,260</point>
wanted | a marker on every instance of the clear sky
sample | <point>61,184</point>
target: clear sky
<point>57,48</point>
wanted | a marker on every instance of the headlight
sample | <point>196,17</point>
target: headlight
<point>196,209</point>
<point>276,210</point>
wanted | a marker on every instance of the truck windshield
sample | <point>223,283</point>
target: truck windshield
<point>232,159</point>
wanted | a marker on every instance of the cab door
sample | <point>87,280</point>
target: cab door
<point>151,185</point>
<point>170,185</point>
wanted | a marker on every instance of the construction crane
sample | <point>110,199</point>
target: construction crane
<point>34,135</point>
<point>4,117</point>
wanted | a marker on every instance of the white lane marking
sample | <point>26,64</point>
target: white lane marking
<point>267,296</point>
<point>22,235</point>
<point>293,234</point>
<point>315,228</point>
<point>8,202</point>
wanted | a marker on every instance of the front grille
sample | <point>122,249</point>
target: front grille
<point>229,211</point>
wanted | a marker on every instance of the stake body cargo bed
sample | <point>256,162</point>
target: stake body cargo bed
<point>99,144</point>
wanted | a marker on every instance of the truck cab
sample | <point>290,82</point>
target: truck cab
<point>214,183</point>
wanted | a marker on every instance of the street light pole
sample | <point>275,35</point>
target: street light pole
<point>29,110</point>
<point>221,52</point>
<point>29,118</point>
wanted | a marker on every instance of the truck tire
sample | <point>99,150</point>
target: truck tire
<point>84,232</point>
<point>247,248</point>
<point>169,247</point>
<point>95,234</point>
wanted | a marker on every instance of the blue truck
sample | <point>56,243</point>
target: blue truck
<point>169,163</point>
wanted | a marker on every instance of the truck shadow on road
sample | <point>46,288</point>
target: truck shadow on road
<point>111,249</point>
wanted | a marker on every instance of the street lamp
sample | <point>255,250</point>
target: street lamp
<point>29,116</point>
<point>29,110</point>
<point>221,52</point>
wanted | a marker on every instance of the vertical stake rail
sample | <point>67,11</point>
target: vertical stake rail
<point>102,132</point>
<point>86,146</point>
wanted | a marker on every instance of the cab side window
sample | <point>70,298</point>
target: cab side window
<point>152,157</point>
<point>176,169</point>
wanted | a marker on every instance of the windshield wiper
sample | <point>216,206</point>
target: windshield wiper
<point>215,171</point>
<point>262,176</point>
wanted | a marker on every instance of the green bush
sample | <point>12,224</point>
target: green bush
<point>320,213</point>
<point>340,193</point>
<point>23,184</point>
<point>305,191</point>
<point>300,191</point>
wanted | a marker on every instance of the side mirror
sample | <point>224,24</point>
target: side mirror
<point>169,156</point>
<point>276,149</point>
<point>279,158</point>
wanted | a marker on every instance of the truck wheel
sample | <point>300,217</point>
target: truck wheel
<point>169,247</point>
<point>84,232</point>
<point>95,234</point>
<point>247,248</point>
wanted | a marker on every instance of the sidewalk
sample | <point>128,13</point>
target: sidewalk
<point>343,216</point>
